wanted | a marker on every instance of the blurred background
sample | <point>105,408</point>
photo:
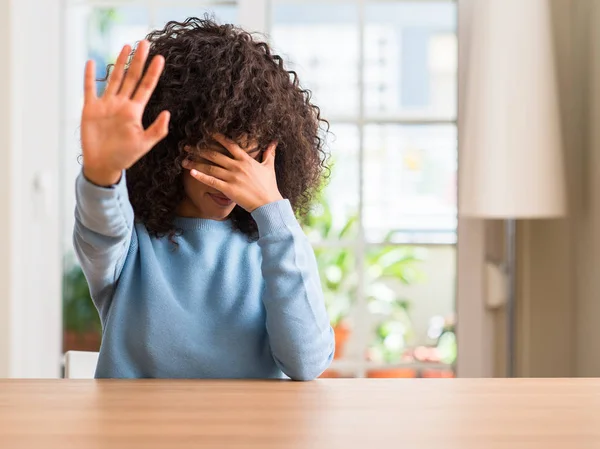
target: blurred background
<point>413,288</point>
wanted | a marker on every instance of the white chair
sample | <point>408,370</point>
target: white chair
<point>80,364</point>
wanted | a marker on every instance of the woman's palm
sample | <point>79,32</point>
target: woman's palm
<point>112,135</point>
<point>112,128</point>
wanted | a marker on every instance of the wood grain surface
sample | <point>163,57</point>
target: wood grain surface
<point>328,413</point>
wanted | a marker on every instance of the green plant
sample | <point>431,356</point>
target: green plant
<point>337,266</point>
<point>79,313</point>
<point>446,343</point>
<point>385,269</point>
<point>389,269</point>
<point>102,19</point>
<point>338,278</point>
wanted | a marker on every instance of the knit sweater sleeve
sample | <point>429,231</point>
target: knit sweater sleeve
<point>102,235</point>
<point>299,330</point>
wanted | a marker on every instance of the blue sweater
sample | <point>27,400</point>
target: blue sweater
<point>217,306</point>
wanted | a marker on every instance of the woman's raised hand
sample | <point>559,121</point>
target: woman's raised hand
<point>112,135</point>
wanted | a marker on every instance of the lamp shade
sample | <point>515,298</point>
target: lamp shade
<point>511,163</point>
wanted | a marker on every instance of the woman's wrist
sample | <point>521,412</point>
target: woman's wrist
<point>274,217</point>
<point>267,200</point>
<point>102,177</point>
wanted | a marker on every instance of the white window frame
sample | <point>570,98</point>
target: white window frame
<point>30,233</point>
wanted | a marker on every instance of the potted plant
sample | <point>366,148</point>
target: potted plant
<point>81,323</point>
<point>388,270</point>
<point>446,343</point>
<point>337,272</point>
<point>337,269</point>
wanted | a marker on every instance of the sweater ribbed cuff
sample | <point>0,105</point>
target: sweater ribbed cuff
<point>102,195</point>
<point>274,217</point>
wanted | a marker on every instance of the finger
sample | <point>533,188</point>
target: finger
<point>210,170</point>
<point>134,72</point>
<point>116,75</point>
<point>89,82</point>
<point>231,146</point>
<point>269,155</point>
<point>222,186</point>
<point>218,158</point>
<point>150,80</point>
<point>157,130</point>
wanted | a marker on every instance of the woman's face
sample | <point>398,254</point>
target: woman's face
<point>202,201</point>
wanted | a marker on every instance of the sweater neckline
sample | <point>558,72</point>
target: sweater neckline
<point>202,224</point>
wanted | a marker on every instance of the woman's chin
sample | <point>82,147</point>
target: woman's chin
<point>221,216</point>
<point>205,209</point>
<point>219,213</point>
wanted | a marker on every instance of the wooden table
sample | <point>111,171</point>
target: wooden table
<point>403,414</point>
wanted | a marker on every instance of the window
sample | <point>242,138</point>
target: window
<point>384,74</point>
<point>384,232</point>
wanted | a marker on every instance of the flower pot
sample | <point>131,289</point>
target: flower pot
<point>342,334</point>
<point>81,341</point>
<point>330,374</point>
<point>386,373</point>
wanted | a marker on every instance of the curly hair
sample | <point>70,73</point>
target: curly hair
<point>219,79</point>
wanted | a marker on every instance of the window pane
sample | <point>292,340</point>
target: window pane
<point>321,42</point>
<point>410,59</point>
<point>334,216</point>
<point>410,183</point>
<point>410,298</point>
<point>97,33</point>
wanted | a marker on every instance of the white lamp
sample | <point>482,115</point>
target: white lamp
<point>511,164</point>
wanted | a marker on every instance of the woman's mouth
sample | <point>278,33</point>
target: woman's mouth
<point>221,200</point>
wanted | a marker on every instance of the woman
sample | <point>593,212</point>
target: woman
<point>196,160</point>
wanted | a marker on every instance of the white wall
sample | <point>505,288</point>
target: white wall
<point>30,265</point>
<point>559,333</point>
<point>5,139</point>
<point>588,300</point>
